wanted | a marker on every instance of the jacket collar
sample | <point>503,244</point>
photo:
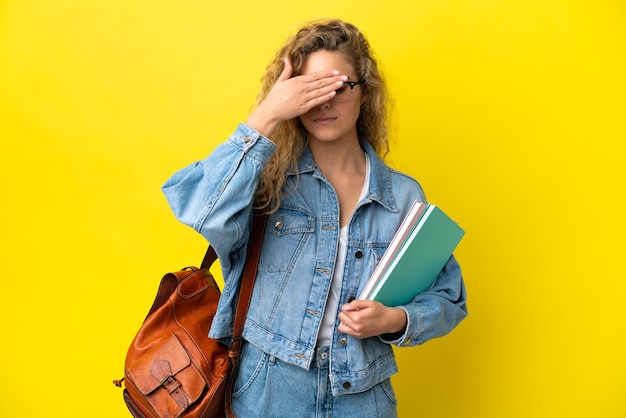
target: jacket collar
<point>380,188</point>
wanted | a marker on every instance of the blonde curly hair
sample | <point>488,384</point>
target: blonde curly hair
<point>290,136</point>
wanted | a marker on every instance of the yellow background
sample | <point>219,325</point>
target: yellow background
<point>510,113</point>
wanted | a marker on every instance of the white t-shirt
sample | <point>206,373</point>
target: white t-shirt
<point>332,303</point>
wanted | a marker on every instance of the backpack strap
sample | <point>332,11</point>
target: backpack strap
<point>243,302</point>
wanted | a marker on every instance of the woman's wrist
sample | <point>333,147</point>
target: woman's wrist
<point>398,320</point>
<point>262,123</point>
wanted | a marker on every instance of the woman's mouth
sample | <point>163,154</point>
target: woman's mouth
<point>324,120</point>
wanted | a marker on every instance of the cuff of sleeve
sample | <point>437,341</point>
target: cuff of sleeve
<point>252,143</point>
<point>246,135</point>
<point>402,339</point>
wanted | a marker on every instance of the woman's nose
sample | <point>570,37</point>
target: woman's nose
<point>326,104</point>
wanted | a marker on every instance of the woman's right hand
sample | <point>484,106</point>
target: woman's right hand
<point>291,97</point>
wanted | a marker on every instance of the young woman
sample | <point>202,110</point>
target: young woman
<point>309,156</point>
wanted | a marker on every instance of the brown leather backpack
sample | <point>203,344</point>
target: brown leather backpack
<point>172,368</point>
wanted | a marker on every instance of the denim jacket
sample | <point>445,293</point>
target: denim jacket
<point>215,196</point>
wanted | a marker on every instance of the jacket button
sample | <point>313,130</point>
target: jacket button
<point>351,298</point>
<point>358,254</point>
<point>346,385</point>
<point>343,342</point>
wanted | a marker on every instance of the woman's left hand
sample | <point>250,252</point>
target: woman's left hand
<point>368,318</point>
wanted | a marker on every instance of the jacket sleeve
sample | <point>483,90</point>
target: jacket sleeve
<point>215,196</point>
<point>435,312</point>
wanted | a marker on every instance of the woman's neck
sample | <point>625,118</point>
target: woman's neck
<point>338,157</point>
<point>345,167</point>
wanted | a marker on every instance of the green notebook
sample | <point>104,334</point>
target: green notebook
<point>415,257</point>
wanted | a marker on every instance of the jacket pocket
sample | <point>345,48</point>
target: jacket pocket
<point>287,231</point>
